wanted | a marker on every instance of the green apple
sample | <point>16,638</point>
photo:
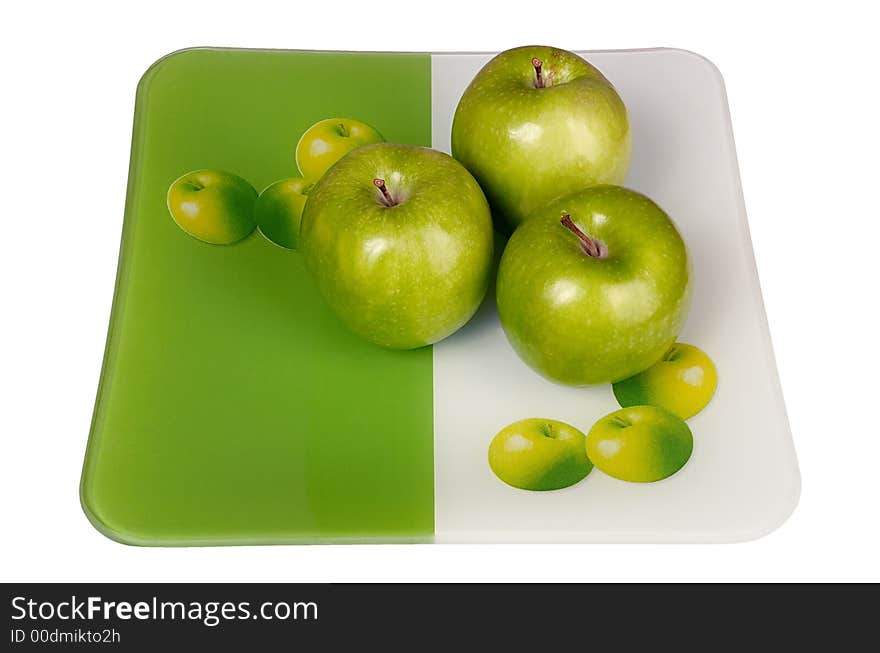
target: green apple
<point>213,206</point>
<point>595,287</point>
<point>539,454</point>
<point>682,381</point>
<point>399,239</point>
<point>641,444</point>
<point>279,210</point>
<point>327,141</point>
<point>536,123</point>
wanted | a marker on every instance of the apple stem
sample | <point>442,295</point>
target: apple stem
<point>671,354</point>
<point>386,196</point>
<point>342,130</point>
<point>539,78</point>
<point>589,246</point>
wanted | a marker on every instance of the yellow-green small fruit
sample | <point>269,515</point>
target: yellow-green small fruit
<point>213,206</point>
<point>279,210</point>
<point>539,454</point>
<point>683,382</point>
<point>640,444</point>
<point>327,141</point>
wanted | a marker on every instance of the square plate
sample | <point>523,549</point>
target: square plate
<point>234,408</point>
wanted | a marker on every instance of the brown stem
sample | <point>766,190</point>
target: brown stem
<point>342,130</point>
<point>539,79</point>
<point>380,184</point>
<point>671,354</point>
<point>589,246</point>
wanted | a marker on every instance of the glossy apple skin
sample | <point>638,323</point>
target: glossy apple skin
<point>279,210</point>
<point>539,454</point>
<point>640,444</point>
<point>682,381</point>
<point>327,141</point>
<point>400,276</point>
<point>581,320</point>
<point>528,145</point>
<point>213,206</point>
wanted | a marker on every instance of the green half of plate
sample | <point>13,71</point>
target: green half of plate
<point>233,407</point>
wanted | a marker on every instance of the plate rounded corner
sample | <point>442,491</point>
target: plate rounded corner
<point>153,70</point>
<point>700,59</point>
<point>775,519</point>
<point>100,524</point>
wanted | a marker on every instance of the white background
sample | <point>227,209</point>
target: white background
<point>801,79</point>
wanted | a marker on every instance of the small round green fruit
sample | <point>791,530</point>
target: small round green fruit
<point>279,210</point>
<point>213,206</point>
<point>682,382</point>
<point>538,122</point>
<point>399,240</point>
<point>327,141</point>
<point>539,454</point>
<point>641,444</point>
<point>594,287</point>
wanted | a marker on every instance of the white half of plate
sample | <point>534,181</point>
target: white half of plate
<point>742,480</point>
